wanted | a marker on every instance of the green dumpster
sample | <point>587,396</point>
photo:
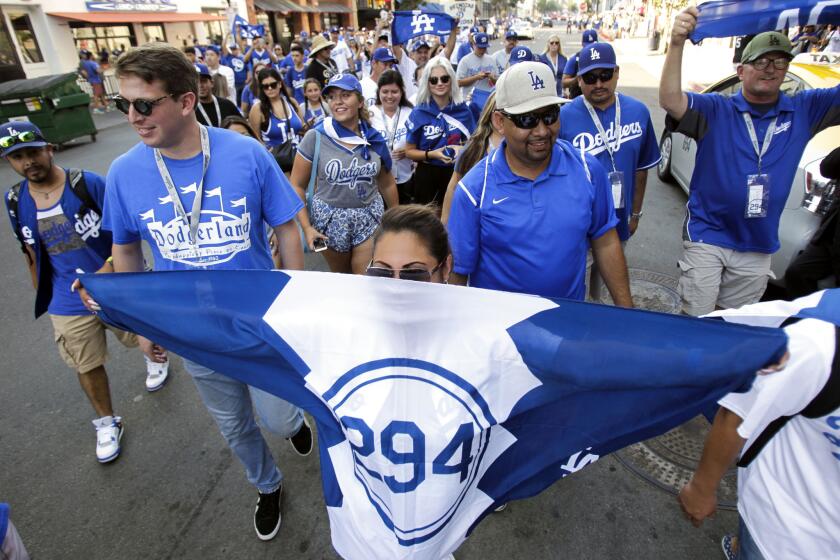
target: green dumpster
<point>55,104</point>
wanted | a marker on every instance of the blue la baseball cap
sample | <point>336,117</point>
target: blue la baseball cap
<point>417,45</point>
<point>482,41</point>
<point>216,49</point>
<point>384,54</point>
<point>474,29</point>
<point>589,36</point>
<point>304,34</point>
<point>511,34</point>
<point>19,135</point>
<point>596,55</point>
<point>202,70</point>
<point>347,82</point>
<point>520,54</point>
<point>333,29</point>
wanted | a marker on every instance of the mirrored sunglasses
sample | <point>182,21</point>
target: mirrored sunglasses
<point>416,274</point>
<point>23,137</point>
<point>531,120</point>
<point>141,106</point>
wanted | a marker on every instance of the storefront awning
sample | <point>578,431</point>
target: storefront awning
<point>333,8</point>
<point>136,17</point>
<point>284,6</point>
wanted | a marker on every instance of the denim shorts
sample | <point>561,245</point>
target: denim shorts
<point>346,228</point>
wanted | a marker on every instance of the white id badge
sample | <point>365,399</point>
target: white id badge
<point>758,196</point>
<point>617,184</point>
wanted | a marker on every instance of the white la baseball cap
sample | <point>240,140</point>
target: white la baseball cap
<point>525,87</point>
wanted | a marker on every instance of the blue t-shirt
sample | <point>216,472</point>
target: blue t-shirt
<point>638,148</point>
<point>240,69</point>
<point>247,98</point>
<point>429,129</point>
<point>257,57</point>
<point>525,236</point>
<point>718,194</point>
<point>295,79</point>
<point>243,188</point>
<point>572,65</point>
<point>463,50</point>
<point>91,68</point>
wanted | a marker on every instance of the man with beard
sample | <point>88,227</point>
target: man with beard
<point>523,217</point>
<point>211,110</point>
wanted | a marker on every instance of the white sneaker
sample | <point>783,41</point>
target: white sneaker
<point>109,432</point>
<point>156,375</point>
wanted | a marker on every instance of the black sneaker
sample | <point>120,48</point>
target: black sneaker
<point>267,515</point>
<point>302,440</point>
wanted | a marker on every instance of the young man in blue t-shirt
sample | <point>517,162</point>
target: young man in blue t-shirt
<point>150,196</point>
<point>523,217</point>
<point>233,59</point>
<point>296,74</point>
<point>61,236</point>
<point>748,149</point>
<point>616,129</point>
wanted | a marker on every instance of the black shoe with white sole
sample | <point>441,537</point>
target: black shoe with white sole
<point>302,440</point>
<point>267,515</point>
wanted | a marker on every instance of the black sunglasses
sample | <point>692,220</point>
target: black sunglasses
<point>416,274</point>
<point>270,85</point>
<point>531,120</point>
<point>443,79</point>
<point>605,75</point>
<point>142,106</point>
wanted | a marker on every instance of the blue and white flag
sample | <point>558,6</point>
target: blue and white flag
<point>246,30</point>
<point>731,18</point>
<point>437,403</point>
<point>420,22</point>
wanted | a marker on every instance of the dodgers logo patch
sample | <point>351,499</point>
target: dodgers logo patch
<point>536,81</point>
<point>421,23</point>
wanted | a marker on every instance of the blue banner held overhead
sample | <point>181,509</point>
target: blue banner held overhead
<point>420,22</point>
<point>436,403</point>
<point>732,18</point>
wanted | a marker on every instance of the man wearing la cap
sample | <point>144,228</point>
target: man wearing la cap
<point>340,54</point>
<point>60,234</point>
<point>477,71</point>
<point>520,54</point>
<point>321,66</point>
<point>233,59</point>
<point>570,72</point>
<point>382,59</point>
<point>502,56</point>
<point>523,217</point>
<point>616,129</point>
<point>748,149</point>
<point>211,110</point>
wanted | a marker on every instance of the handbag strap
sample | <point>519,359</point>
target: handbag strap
<point>313,175</point>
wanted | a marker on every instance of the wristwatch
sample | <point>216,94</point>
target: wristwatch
<point>637,215</point>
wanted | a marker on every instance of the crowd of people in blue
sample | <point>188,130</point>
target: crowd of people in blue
<point>438,161</point>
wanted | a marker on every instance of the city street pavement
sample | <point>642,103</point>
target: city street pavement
<point>178,492</point>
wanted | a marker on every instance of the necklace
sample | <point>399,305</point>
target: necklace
<point>46,193</point>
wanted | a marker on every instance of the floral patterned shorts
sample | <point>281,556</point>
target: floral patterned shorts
<point>346,228</point>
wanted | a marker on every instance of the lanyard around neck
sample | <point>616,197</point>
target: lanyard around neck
<point>393,134</point>
<point>611,148</point>
<point>768,137</point>
<point>195,216</point>
<point>206,117</point>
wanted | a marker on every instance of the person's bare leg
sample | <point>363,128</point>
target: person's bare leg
<point>338,262</point>
<point>95,385</point>
<point>361,256</point>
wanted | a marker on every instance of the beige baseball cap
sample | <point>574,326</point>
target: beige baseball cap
<point>525,87</point>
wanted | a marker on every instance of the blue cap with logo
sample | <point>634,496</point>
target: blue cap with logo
<point>333,29</point>
<point>417,45</point>
<point>216,49</point>
<point>384,54</point>
<point>474,29</point>
<point>595,56</point>
<point>304,34</point>
<point>16,135</point>
<point>202,70</point>
<point>520,54</point>
<point>589,36</point>
<point>482,41</point>
<point>347,82</point>
<point>511,34</point>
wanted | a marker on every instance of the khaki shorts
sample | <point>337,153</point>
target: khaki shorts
<point>715,276</point>
<point>81,340</point>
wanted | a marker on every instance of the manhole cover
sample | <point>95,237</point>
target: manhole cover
<point>651,290</point>
<point>668,461</point>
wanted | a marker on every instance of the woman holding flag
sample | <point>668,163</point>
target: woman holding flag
<point>342,172</point>
<point>438,127</point>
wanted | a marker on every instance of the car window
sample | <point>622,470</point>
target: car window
<point>790,86</point>
<point>729,87</point>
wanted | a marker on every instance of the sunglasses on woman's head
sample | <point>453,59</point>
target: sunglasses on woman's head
<point>269,85</point>
<point>605,75</point>
<point>531,120</point>
<point>142,106</point>
<point>443,79</point>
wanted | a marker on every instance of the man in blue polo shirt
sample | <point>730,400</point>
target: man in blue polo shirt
<point>617,130</point>
<point>570,72</point>
<point>524,216</point>
<point>748,148</point>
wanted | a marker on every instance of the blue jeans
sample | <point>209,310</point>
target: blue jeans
<point>747,549</point>
<point>232,404</point>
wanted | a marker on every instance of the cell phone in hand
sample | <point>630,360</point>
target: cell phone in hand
<point>319,245</point>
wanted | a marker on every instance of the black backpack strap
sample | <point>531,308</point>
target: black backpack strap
<point>79,188</point>
<point>827,400</point>
<point>14,203</point>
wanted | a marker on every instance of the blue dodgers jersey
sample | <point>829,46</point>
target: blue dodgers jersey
<point>242,189</point>
<point>428,129</point>
<point>240,69</point>
<point>295,79</point>
<point>528,236</point>
<point>725,157</point>
<point>638,148</point>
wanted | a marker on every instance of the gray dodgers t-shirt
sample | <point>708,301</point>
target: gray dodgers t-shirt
<point>345,178</point>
